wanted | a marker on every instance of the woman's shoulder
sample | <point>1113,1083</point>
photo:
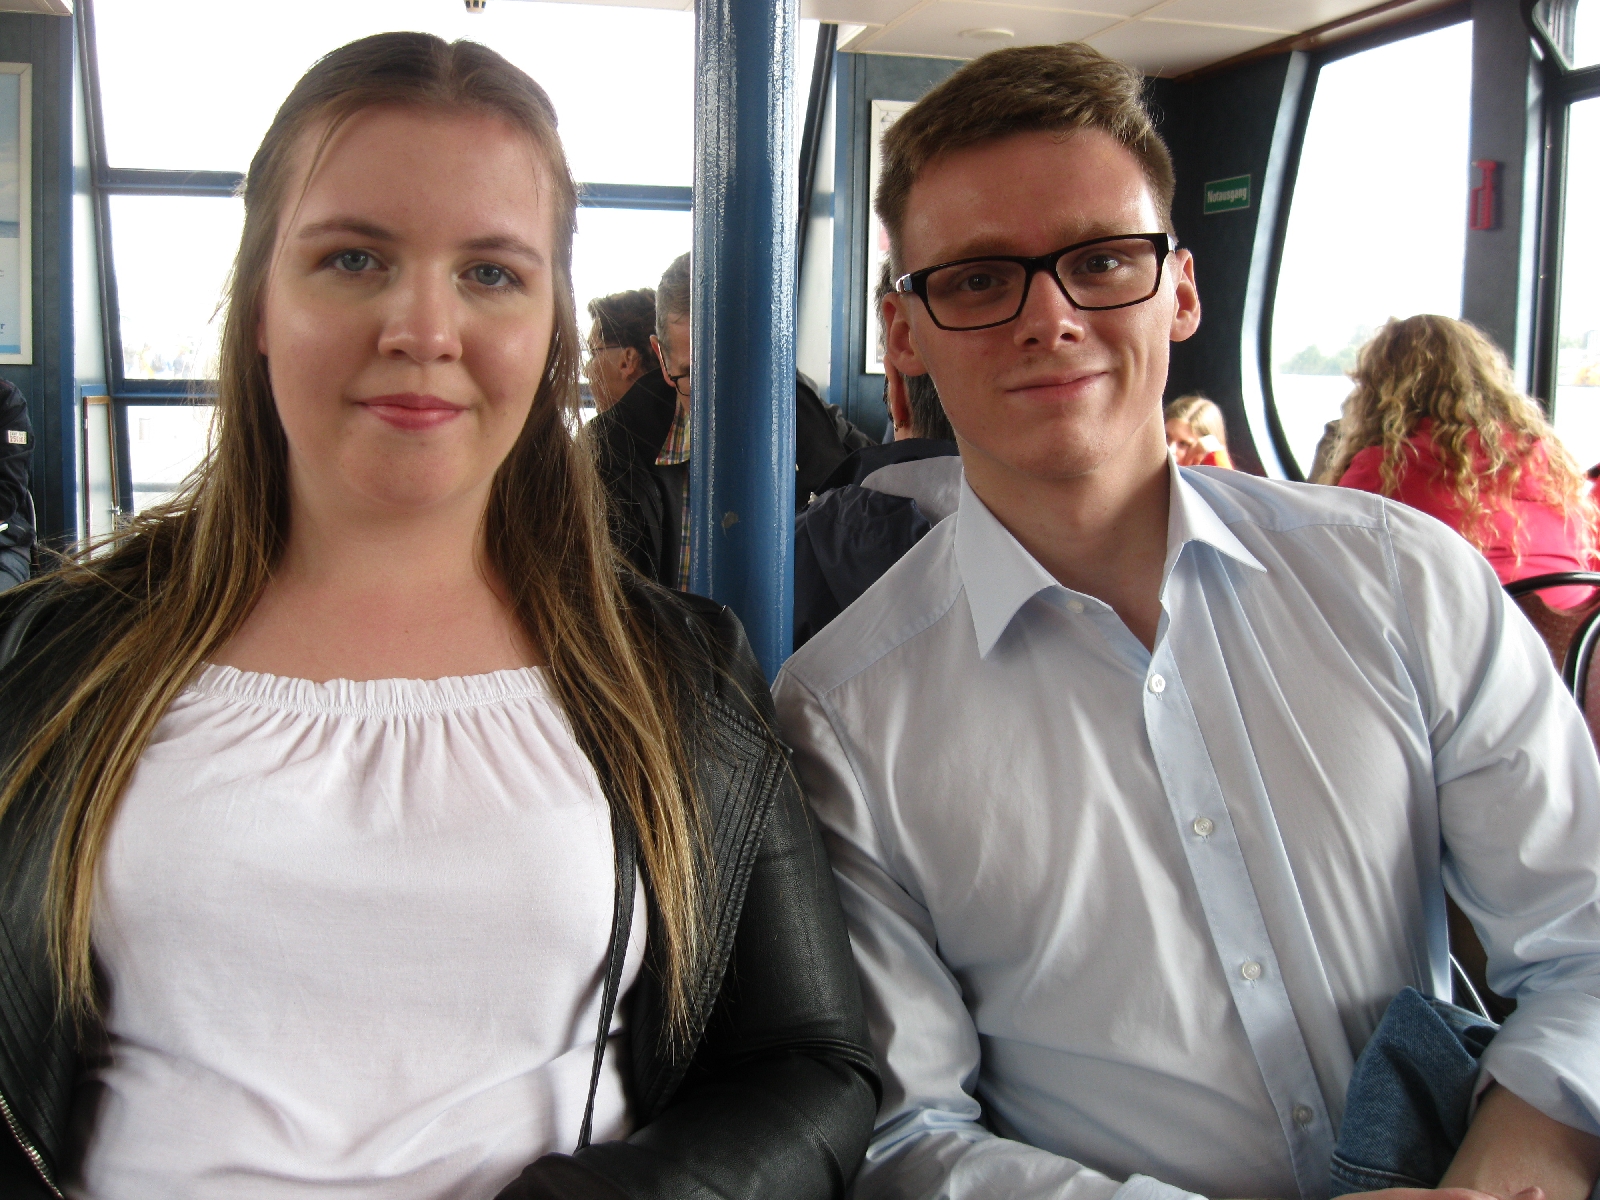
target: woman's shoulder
<point>705,644</point>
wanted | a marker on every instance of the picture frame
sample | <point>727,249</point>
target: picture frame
<point>16,213</point>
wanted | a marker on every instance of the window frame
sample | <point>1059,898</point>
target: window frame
<point>1563,87</point>
<point>1442,18</point>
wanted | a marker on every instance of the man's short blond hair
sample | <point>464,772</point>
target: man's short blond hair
<point>1023,89</point>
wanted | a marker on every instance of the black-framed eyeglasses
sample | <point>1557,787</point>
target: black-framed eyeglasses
<point>675,380</point>
<point>592,351</point>
<point>1102,273</point>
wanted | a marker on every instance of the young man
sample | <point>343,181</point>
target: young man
<point>1143,786</point>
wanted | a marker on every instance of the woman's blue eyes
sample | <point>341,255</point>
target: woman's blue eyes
<point>485,275</point>
<point>490,276</point>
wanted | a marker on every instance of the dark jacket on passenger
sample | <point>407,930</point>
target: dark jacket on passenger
<point>822,440</point>
<point>16,501</point>
<point>873,508</point>
<point>645,500</point>
<point>776,1093</point>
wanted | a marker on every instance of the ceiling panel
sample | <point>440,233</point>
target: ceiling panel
<point>857,12</point>
<point>939,28</point>
<point>1267,14</point>
<point>1169,48</point>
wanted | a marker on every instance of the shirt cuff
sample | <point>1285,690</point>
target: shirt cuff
<point>1142,1187</point>
<point>1548,1054</point>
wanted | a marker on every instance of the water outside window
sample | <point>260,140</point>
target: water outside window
<point>1377,223</point>
<point>1577,398</point>
<point>172,255</point>
<point>165,443</point>
<point>1586,34</point>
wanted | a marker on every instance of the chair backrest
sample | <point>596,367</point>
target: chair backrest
<point>1582,672</point>
<point>1559,627</point>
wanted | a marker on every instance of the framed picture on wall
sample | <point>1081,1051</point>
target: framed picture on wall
<point>16,213</point>
<point>884,114</point>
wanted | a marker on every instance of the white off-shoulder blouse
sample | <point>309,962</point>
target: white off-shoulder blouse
<point>354,937</point>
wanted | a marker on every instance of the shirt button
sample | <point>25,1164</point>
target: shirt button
<point>1157,684</point>
<point>1075,605</point>
<point>1302,1115</point>
<point>1251,971</point>
<point>1204,826</point>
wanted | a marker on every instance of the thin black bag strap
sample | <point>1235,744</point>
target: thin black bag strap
<point>626,845</point>
<point>17,630</point>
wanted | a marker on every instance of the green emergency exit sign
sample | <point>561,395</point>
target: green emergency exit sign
<point>1225,195</point>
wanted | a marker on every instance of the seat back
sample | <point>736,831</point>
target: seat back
<point>1559,627</point>
<point>1582,671</point>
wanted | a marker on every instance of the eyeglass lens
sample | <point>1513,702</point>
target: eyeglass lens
<point>1104,275</point>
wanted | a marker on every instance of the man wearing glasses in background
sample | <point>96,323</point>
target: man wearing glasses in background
<point>1143,785</point>
<point>640,432</point>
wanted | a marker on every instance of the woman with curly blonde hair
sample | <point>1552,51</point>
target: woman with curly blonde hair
<point>1436,422</point>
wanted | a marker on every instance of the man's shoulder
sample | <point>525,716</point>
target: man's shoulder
<point>1279,506</point>
<point>909,599</point>
<point>1332,539</point>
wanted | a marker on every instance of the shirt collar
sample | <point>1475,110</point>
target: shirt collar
<point>1191,518</point>
<point>1000,576</point>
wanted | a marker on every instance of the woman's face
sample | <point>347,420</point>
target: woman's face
<point>407,315</point>
<point>1185,443</point>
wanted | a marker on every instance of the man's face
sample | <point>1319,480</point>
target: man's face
<point>1058,393</point>
<point>673,354</point>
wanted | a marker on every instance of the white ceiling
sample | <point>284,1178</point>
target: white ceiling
<point>58,8</point>
<point>1160,37</point>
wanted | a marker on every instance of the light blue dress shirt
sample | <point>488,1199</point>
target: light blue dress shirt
<point>1125,918</point>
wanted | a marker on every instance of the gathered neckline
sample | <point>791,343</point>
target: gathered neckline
<point>370,697</point>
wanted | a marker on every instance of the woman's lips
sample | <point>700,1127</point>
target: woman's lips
<point>409,410</point>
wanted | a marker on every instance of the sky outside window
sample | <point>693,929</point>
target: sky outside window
<point>1377,223</point>
<point>1577,398</point>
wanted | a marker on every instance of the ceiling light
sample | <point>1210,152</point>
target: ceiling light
<point>991,34</point>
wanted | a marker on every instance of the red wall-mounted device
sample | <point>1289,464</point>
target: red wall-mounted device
<point>1483,205</point>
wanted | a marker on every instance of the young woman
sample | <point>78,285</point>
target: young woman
<point>1197,433</point>
<point>359,800</point>
<point>1436,422</point>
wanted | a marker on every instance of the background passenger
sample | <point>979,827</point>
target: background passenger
<point>645,484</point>
<point>878,502</point>
<point>1436,422</point>
<point>1197,432</point>
<point>359,798</point>
<point>618,352</point>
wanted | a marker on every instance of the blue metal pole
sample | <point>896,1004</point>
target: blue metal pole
<point>741,463</point>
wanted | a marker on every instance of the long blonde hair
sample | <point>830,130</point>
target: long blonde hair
<point>1446,371</point>
<point>169,590</point>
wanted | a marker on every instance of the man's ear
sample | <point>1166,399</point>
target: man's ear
<point>898,398</point>
<point>1186,313</point>
<point>899,345</point>
<point>661,358</point>
<point>632,362</point>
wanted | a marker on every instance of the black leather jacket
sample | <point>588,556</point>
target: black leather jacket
<point>776,1098</point>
